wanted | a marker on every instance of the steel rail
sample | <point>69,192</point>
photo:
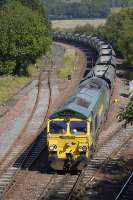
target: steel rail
<point>124,187</point>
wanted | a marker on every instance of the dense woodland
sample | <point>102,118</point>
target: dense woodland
<point>25,34</point>
<point>61,9</point>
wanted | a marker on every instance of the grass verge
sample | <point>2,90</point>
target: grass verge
<point>115,10</point>
<point>68,63</point>
<point>10,85</point>
<point>118,9</point>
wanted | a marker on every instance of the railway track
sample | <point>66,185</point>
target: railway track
<point>73,186</point>
<point>126,190</point>
<point>51,185</point>
<point>27,153</point>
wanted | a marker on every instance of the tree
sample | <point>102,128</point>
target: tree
<point>127,114</point>
<point>85,29</point>
<point>2,2</point>
<point>25,35</point>
<point>35,5</point>
<point>82,9</point>
<point>125,42</point>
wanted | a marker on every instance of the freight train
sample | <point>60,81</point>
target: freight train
<point>73,128</point>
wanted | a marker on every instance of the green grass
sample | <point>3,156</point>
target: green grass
<point>68,63</point>
<point>115,10</point>
<point>9,86</point>
<point>32,70</point>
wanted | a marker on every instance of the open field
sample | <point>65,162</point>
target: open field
<point>115,10</point>
<point>69,24</point>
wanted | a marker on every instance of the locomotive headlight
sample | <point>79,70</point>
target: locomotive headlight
<point>83,148</point>
<point>52,147</point>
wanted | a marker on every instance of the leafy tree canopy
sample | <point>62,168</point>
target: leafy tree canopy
<point>58,9</point>
<point>79,9</point>
<point>25,35</point>
<point>127,114</point>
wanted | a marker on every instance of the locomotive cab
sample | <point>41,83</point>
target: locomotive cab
<point>69,142</point>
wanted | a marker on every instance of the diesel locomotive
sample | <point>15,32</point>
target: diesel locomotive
<point>73,129</point>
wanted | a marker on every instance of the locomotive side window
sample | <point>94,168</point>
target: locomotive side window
<point>58,127</point>
<point>78,127</point>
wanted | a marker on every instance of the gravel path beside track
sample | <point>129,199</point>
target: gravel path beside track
<point>15,124</point>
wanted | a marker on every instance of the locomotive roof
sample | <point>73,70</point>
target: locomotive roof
<point>84,99</point>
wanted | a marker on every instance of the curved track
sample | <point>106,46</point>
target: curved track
<point>27,154</point>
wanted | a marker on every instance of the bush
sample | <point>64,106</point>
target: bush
<point>127,114</point>
<point>7,67</point>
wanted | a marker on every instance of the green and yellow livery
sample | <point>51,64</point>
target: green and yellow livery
<point>73,128</point>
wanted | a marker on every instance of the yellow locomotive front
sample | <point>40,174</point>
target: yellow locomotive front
<point>69,143</point>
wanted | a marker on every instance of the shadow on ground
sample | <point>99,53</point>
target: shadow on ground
<point>110,182</point>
